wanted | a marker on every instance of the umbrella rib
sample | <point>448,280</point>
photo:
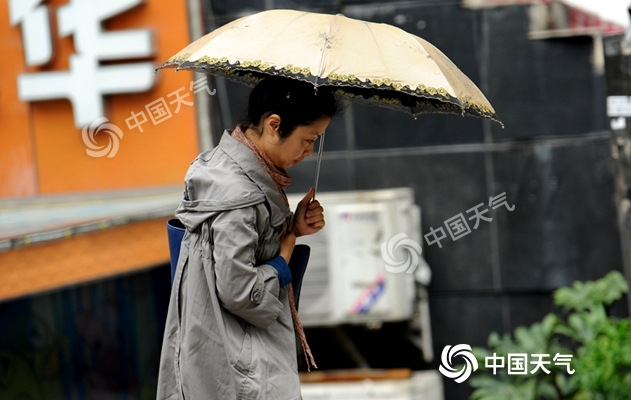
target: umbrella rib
<point>222,33</point>
<point>374,40</point>
<point>271,41</point>
<point>326,41</point>
<point>303,14</point>
<point>419,45</point>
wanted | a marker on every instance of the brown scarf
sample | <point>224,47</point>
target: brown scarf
<point>280,177</point>
<point>282,181</point>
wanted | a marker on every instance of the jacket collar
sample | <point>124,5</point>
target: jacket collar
<point>252,167</point>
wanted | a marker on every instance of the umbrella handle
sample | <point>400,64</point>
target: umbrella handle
<point>317,173</point>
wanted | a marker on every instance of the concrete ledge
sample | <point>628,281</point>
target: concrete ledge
<point>426,385</point>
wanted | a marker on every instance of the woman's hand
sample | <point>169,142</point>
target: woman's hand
<point>309,216</point>
<point>287,243</point>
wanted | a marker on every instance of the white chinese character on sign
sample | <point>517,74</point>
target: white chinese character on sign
<point>457,227</point>
<point>500,200</point>
<point>563,359</point>
<point>539,363</point>
<point>86,81</point>
<point>179,99</point>
<point>479,215</point>
<point>159,111</point>
<point>36,34</point>
<point>517,364</point>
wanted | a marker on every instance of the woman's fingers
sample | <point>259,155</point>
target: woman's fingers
<point>310,220</point>
<point>314,210</point>
<point>309,216</point>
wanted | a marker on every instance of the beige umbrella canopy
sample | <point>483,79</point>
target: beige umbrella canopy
<point>366,61</point>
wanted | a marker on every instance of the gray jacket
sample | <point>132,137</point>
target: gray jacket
<point>229,332</point>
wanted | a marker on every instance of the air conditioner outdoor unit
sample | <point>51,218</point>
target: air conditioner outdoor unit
<point>347,281</point>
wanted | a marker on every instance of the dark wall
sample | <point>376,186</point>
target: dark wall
<point>552,160</point>
<point>99,340</point>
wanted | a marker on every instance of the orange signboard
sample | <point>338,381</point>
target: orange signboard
<point>91,115</point>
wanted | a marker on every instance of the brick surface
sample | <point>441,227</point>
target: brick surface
<point>82,258</point>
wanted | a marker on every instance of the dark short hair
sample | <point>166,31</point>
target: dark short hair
<point>297,103</point>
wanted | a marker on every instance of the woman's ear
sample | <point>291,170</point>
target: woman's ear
<point>271,125</point>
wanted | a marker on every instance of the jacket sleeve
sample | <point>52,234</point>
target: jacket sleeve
<point>245,289</point>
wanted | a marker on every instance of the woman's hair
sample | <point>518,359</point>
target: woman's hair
<point>296,102</point>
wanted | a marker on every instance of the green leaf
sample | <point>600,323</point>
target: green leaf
<point>601,360</point>
<point>495,389</point>
<point>586,294</point>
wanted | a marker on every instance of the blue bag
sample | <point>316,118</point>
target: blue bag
<point>175,232</point>
<point>298,267</point>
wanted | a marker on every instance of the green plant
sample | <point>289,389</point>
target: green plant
<point>600,346</point>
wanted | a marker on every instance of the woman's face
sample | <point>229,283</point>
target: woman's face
<point>300,144</point>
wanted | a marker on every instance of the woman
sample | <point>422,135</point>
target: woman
<point>230,330</point>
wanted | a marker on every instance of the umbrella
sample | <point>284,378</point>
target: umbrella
<point>365,61</point>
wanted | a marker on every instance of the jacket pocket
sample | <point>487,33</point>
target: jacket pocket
<point>243,362</point>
